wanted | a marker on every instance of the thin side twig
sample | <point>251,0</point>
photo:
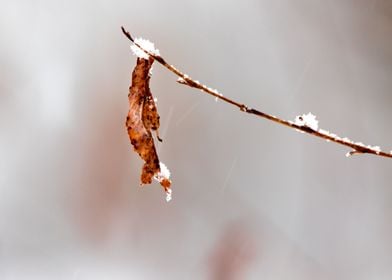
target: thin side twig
<point>356,147</point>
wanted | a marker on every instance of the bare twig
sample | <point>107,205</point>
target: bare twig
<point>356,147</point>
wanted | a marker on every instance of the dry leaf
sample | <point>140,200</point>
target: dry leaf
<point>142,118</point>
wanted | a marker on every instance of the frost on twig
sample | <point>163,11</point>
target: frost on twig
<point>304,123</point>
<point>309,124</point>
<point>145,45</point>
<point>308,120</point>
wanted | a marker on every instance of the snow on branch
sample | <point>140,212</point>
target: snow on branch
<point>305,123</point>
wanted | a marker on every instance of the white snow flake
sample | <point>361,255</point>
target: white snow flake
<point>308,120</point>
<point>168,195</point>
<point>164,173</point>
<point>145,44</point>
<point>377,149</point>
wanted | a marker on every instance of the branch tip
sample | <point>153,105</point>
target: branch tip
<point>127,34</point>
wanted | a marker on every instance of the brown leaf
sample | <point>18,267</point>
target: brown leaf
<point>142,118</point>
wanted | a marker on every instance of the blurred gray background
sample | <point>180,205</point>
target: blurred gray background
<point>251,199</point>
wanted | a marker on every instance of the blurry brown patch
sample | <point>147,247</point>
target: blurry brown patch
<point>232,254</point>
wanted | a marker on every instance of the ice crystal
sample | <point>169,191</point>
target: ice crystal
<point>146,45</point>
<point>168,195</point>
<point>308,120</point>
<point>377,149</point>
<point>163,176</point>
<point>165,172</point>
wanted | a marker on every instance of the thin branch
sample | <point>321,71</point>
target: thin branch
<point>356,147</point>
